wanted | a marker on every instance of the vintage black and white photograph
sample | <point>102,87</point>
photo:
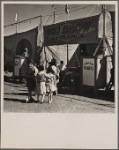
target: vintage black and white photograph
<point>59,58</point>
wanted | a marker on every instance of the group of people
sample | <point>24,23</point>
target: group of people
<point>43,81</point>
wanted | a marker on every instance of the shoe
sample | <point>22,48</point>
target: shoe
<point>40,102</point>
<point>31,100</point>
<point>50,102</point>
<point>27,100</point>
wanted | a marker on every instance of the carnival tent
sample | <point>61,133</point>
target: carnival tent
<point>74,32</point>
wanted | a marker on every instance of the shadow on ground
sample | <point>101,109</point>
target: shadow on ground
<point>14,100</point>
<point>24,94</point>
<point>100,95</point>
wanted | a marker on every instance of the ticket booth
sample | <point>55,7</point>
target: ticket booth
<point>93,74</point>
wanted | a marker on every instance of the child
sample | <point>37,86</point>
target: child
<point>40,81</point>
<point>50,86</point>
<point>31,81</point>
<point>56,71</point>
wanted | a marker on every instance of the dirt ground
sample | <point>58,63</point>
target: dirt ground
<point>15,94</point>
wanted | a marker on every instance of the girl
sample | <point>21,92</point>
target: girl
<point>50,86</point>
<point>31,81</point>
<point>56,74</point>
<point>40,83</point>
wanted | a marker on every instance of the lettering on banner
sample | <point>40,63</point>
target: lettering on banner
<point>72,32</point>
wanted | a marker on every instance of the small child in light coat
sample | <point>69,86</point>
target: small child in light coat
<point>50,86</point>
<point>40,84</point>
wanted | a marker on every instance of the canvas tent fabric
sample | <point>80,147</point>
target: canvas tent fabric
<point>33,39</point>
<point>91,27</point>
<point>36,38</point>
<point>40,36</point>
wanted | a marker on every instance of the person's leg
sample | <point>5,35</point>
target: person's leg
<point>48,96</point>
<point>29,96</point>
<point>43,96</point>
<point>37,97</point>
<point>50,101</point>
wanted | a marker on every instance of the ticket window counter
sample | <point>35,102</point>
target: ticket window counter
<point>93,75</point>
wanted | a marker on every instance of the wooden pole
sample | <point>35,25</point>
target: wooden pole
<point>53,13</point>
<point>67,57</point>
<point>45,58</point>
<point>54,16</point>
<point>104,48</point>
<point>41,20</point>
<point>16,27</point>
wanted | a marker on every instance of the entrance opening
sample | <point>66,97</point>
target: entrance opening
<point>22,46</point>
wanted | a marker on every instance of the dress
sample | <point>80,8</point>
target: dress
<point>50,86</point>
<point>41,88</point>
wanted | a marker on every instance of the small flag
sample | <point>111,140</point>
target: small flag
<point>16,17</point>
<point>66,9</point>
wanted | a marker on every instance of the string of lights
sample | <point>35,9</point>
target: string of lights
<point>33,18</point>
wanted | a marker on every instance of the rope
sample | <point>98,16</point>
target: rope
<point>53,54</point>
<point>91,10</point>
<point>77,59</point>
<point>97,47</point>
<point>47,20</point>
<point>109,47</point>
<point>108,14</point>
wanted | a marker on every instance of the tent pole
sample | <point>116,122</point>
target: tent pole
<point>103,10</point>
<point>45,58</point>
<point>67,57</point>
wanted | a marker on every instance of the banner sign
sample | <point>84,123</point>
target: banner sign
<point>88,71</point>
<point>72,32</point>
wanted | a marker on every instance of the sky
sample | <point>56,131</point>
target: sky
<point>28,10</point>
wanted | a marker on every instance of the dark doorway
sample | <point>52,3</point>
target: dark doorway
<point>20,49</point>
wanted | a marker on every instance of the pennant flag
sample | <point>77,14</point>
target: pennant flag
<point>66,9</point>
<point>40,37</point>
<point>16,17</point>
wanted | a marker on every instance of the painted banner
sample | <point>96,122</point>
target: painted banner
<point>72,32</point>
<point>88,71</point>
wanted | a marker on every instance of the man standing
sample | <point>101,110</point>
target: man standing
<point>62,68</point>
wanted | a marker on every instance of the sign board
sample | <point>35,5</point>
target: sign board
<point>72,32</point>
<point>89,71</point>
<point>20,66</point>
<point>24,66</point>
<point>17,66</point>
